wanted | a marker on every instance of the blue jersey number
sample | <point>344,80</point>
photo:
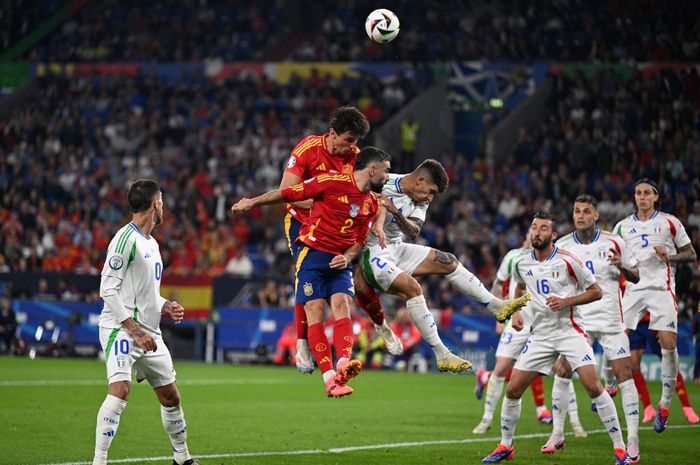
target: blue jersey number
<point>645,240</point>
<point>542,286</point>
<point>378,262</point>
<point>589,265</point>
<point>121,346</point>
<point>506,338</point>
<point>159,270</point>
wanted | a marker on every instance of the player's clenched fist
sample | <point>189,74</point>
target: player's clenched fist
<point>242,206</point>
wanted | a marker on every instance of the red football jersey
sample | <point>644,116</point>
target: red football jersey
<point>340,215</point>
<point>310,158</point>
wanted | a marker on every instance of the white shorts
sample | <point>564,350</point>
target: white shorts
<point>661,305</point>
<point>122,357</point>
<point>615,345</point>
<point>540,352</point>
<point>382,266</point>
<point>511,343</point>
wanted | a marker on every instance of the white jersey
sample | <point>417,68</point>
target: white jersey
<point>132,271</point>
<point>604,315</point>
<point>404,203</point>
<point>505,275</point>
<point>561,275</point>
<point>642,236</point>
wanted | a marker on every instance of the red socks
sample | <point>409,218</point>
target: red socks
<point>537,387</point>
<point>369,302</point>
<point>641,385</point>
<point>318,342</point>
<point>300,321</point>
<point>681,390</point>
<point>343,338</point>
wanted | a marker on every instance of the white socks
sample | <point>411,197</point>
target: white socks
<point>106,429</point>
<point>560,404</point>
<point>468,284</point>
<point>608,415</point>
<point>493,393</point>
<point>630,405</point>
<point>510,414</point>
<point>174,424</point>
<point>572,408</point>
<point>424,321</point>
<point>669,372</point>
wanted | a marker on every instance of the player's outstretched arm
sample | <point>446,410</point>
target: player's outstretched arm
<point>343,260</point>
<point>246,204</point>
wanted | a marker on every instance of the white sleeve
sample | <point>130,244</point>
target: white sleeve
<point>118,259</point>
<point>681,237</point>
<point>583,275</point>
<point>161,301</point>
<point>420,212</point>
<point>503,272</point>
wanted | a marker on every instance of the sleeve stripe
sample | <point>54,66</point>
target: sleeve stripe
<point>121,244</point>
<point>304,146</point>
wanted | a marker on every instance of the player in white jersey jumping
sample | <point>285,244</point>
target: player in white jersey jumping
<point>558,282</point>
<point>130,324</point>
<point>606,256</point>
<point>389,264</point>
<point>509,347</point>
<point>659,242</point>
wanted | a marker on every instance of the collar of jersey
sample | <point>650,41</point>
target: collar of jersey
<point>136,228</point>
<point>596,236</point>
<point>551,255</point>
<point>636,218</point>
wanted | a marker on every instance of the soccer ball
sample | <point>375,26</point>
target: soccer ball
<point>382,26</point>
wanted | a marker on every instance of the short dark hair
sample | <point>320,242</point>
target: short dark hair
<point>587,198</point>
<point>349,119</point>
<point>369,155</point>
<point>141,194</point>
<point>433,170</point>
<point>543,215</point>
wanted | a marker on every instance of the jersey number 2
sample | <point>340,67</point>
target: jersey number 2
<point>347,225</point>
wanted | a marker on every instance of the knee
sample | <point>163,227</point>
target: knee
<point>513,392</point>
<point>120,390</point>
<point>413,288</point>
<point>594,389</point>
<point>170,399</point>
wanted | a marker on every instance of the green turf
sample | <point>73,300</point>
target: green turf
<point>235,410</point>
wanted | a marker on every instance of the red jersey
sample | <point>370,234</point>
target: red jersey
<point>310,158</point>
<point>340,215</point>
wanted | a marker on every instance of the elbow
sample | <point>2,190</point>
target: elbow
<point>598,294</point>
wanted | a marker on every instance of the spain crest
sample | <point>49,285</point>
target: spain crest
<point>308,289</point>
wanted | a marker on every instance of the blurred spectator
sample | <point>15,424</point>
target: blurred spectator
<point>286,346</point>
<point>240,264</point>
<point>43,291</point>
<point>8,325</point>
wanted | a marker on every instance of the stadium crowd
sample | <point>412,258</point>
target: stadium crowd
<point>211,147</point>
<point>432,30</point>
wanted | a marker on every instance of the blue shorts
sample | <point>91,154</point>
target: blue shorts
<point>644,338</point>
<point>292,226</point>
<point>315,278</point>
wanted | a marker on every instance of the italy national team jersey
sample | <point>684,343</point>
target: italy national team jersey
<point>340,215</point>
<point>561,275</point>
<point>505,275</point>
<point>404,203</point>
<point>604,315</point>
<point>133,268</point>
<point>642,236</point>
<point>310,158</point>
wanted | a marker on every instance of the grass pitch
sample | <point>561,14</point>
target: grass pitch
<point>269,415</point>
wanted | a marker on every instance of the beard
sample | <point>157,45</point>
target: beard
<point>540,244</point>
<point>158,218</point>
<point>376,187</point>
